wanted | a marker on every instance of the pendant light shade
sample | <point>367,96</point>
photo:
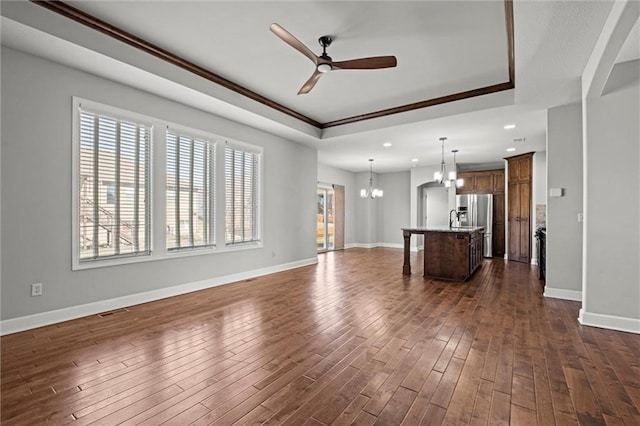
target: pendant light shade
<point>453,175</point>
<point>439,176</point>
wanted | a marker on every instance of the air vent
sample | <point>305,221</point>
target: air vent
<point>520,140</point>
<point>116,311</point>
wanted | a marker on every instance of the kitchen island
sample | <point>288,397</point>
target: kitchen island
<point>451,253</point>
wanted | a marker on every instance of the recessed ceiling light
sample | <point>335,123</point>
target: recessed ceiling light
<point>415,160</point>
<point>386,144</point>
<point>510,149</point>
<point>510,126</point>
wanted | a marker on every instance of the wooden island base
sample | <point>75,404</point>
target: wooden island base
<point>449,253</point>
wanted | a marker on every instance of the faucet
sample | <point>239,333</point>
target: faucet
<point>450,219</point>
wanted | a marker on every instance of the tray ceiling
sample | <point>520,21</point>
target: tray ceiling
<point>446,50</point>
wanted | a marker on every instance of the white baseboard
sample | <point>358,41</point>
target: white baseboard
<point>610,322</point>
<point>534,261</point>
<point>29,322</point>
<point>391,245</point>
<point>361,245</point>
<point>560,293</point>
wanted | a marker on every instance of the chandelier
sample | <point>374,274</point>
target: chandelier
<point>452,178</point>
<point>438,176</point>
<point>453,175</point>
<point>371,192</point>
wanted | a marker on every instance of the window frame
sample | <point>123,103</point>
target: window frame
<point>83,105</point>
<point>258,242</point>
<point>213,203</point>
<point>158,188</point>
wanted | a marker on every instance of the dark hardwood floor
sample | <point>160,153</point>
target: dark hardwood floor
<point>347,341</point>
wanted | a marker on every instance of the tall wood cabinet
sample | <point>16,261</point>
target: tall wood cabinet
<point>519,207</point>
<point>498,214</point>
<point>488,182</point>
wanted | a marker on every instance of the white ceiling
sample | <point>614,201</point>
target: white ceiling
<point>442,48</point>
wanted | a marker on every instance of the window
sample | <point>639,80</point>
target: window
<point>136,202</point>
<point>111,193</point>
<point>190,192</point>
<point>113,183</point>
<point>242,179</point>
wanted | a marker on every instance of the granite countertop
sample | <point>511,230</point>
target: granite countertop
<point>459,229</point>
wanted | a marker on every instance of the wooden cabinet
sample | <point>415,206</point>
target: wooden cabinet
<point>468,186</point>
<point>497,237</point>
<point>482,182</point>
<point>489,182</point>
<point>476,251</point>
<point>519,207</point>
<point>498,182</point>
<point>452,255</point>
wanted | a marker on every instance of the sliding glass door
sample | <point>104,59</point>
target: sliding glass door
<point>325,217</point>
<point>330,217</point>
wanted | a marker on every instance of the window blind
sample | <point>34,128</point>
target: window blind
<point>241,173</point>
<point>114,187</point>
<point>190,192</point>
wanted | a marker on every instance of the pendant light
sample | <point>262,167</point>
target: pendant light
<point>453,175</point>
<point>439,176</point>
<point>371,192</point>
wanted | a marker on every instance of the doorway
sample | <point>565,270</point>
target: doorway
<point>330,217</point>
<point>435,206</point>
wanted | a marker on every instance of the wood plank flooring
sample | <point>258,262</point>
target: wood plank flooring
<point>347,341</point>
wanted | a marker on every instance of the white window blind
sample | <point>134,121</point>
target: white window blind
<point>114,193</point>
<point>190,192</point>
<point>242,209</point>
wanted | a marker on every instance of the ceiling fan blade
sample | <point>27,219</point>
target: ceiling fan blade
<point>372,63</point>
<point>288,38</point>
<point>306,87</point>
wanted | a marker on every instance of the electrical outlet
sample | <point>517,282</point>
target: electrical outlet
<point>36,289</point>
<point>580,217</point>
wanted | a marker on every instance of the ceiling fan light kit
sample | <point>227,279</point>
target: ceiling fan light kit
<point>323,68</point>
<point>324,63</point>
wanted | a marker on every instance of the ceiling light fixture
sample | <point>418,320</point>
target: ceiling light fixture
<point>370,192</point>
<point>387,144</point>
<point>509,126</point>
<point>438,176</point>
<point>511,149</point>
<point>415,160</point>
<point>324,68</point>
<point>453,175</point>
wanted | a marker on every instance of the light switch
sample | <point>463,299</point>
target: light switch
<point>556,192</point>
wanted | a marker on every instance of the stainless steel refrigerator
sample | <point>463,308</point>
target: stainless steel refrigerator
<point>477,210</point>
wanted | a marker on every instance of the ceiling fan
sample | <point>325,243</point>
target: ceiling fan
<point>324,63</point>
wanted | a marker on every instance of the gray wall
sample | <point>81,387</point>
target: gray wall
<point>368,222</point>
<point>564,232</point>
<point>36,192</point>
<point>366,209</point>
<point>333,175</point>
<point>393,208</point>
<point>612,197</point>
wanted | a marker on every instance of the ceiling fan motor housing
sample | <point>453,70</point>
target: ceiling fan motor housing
<point>325,41</point>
